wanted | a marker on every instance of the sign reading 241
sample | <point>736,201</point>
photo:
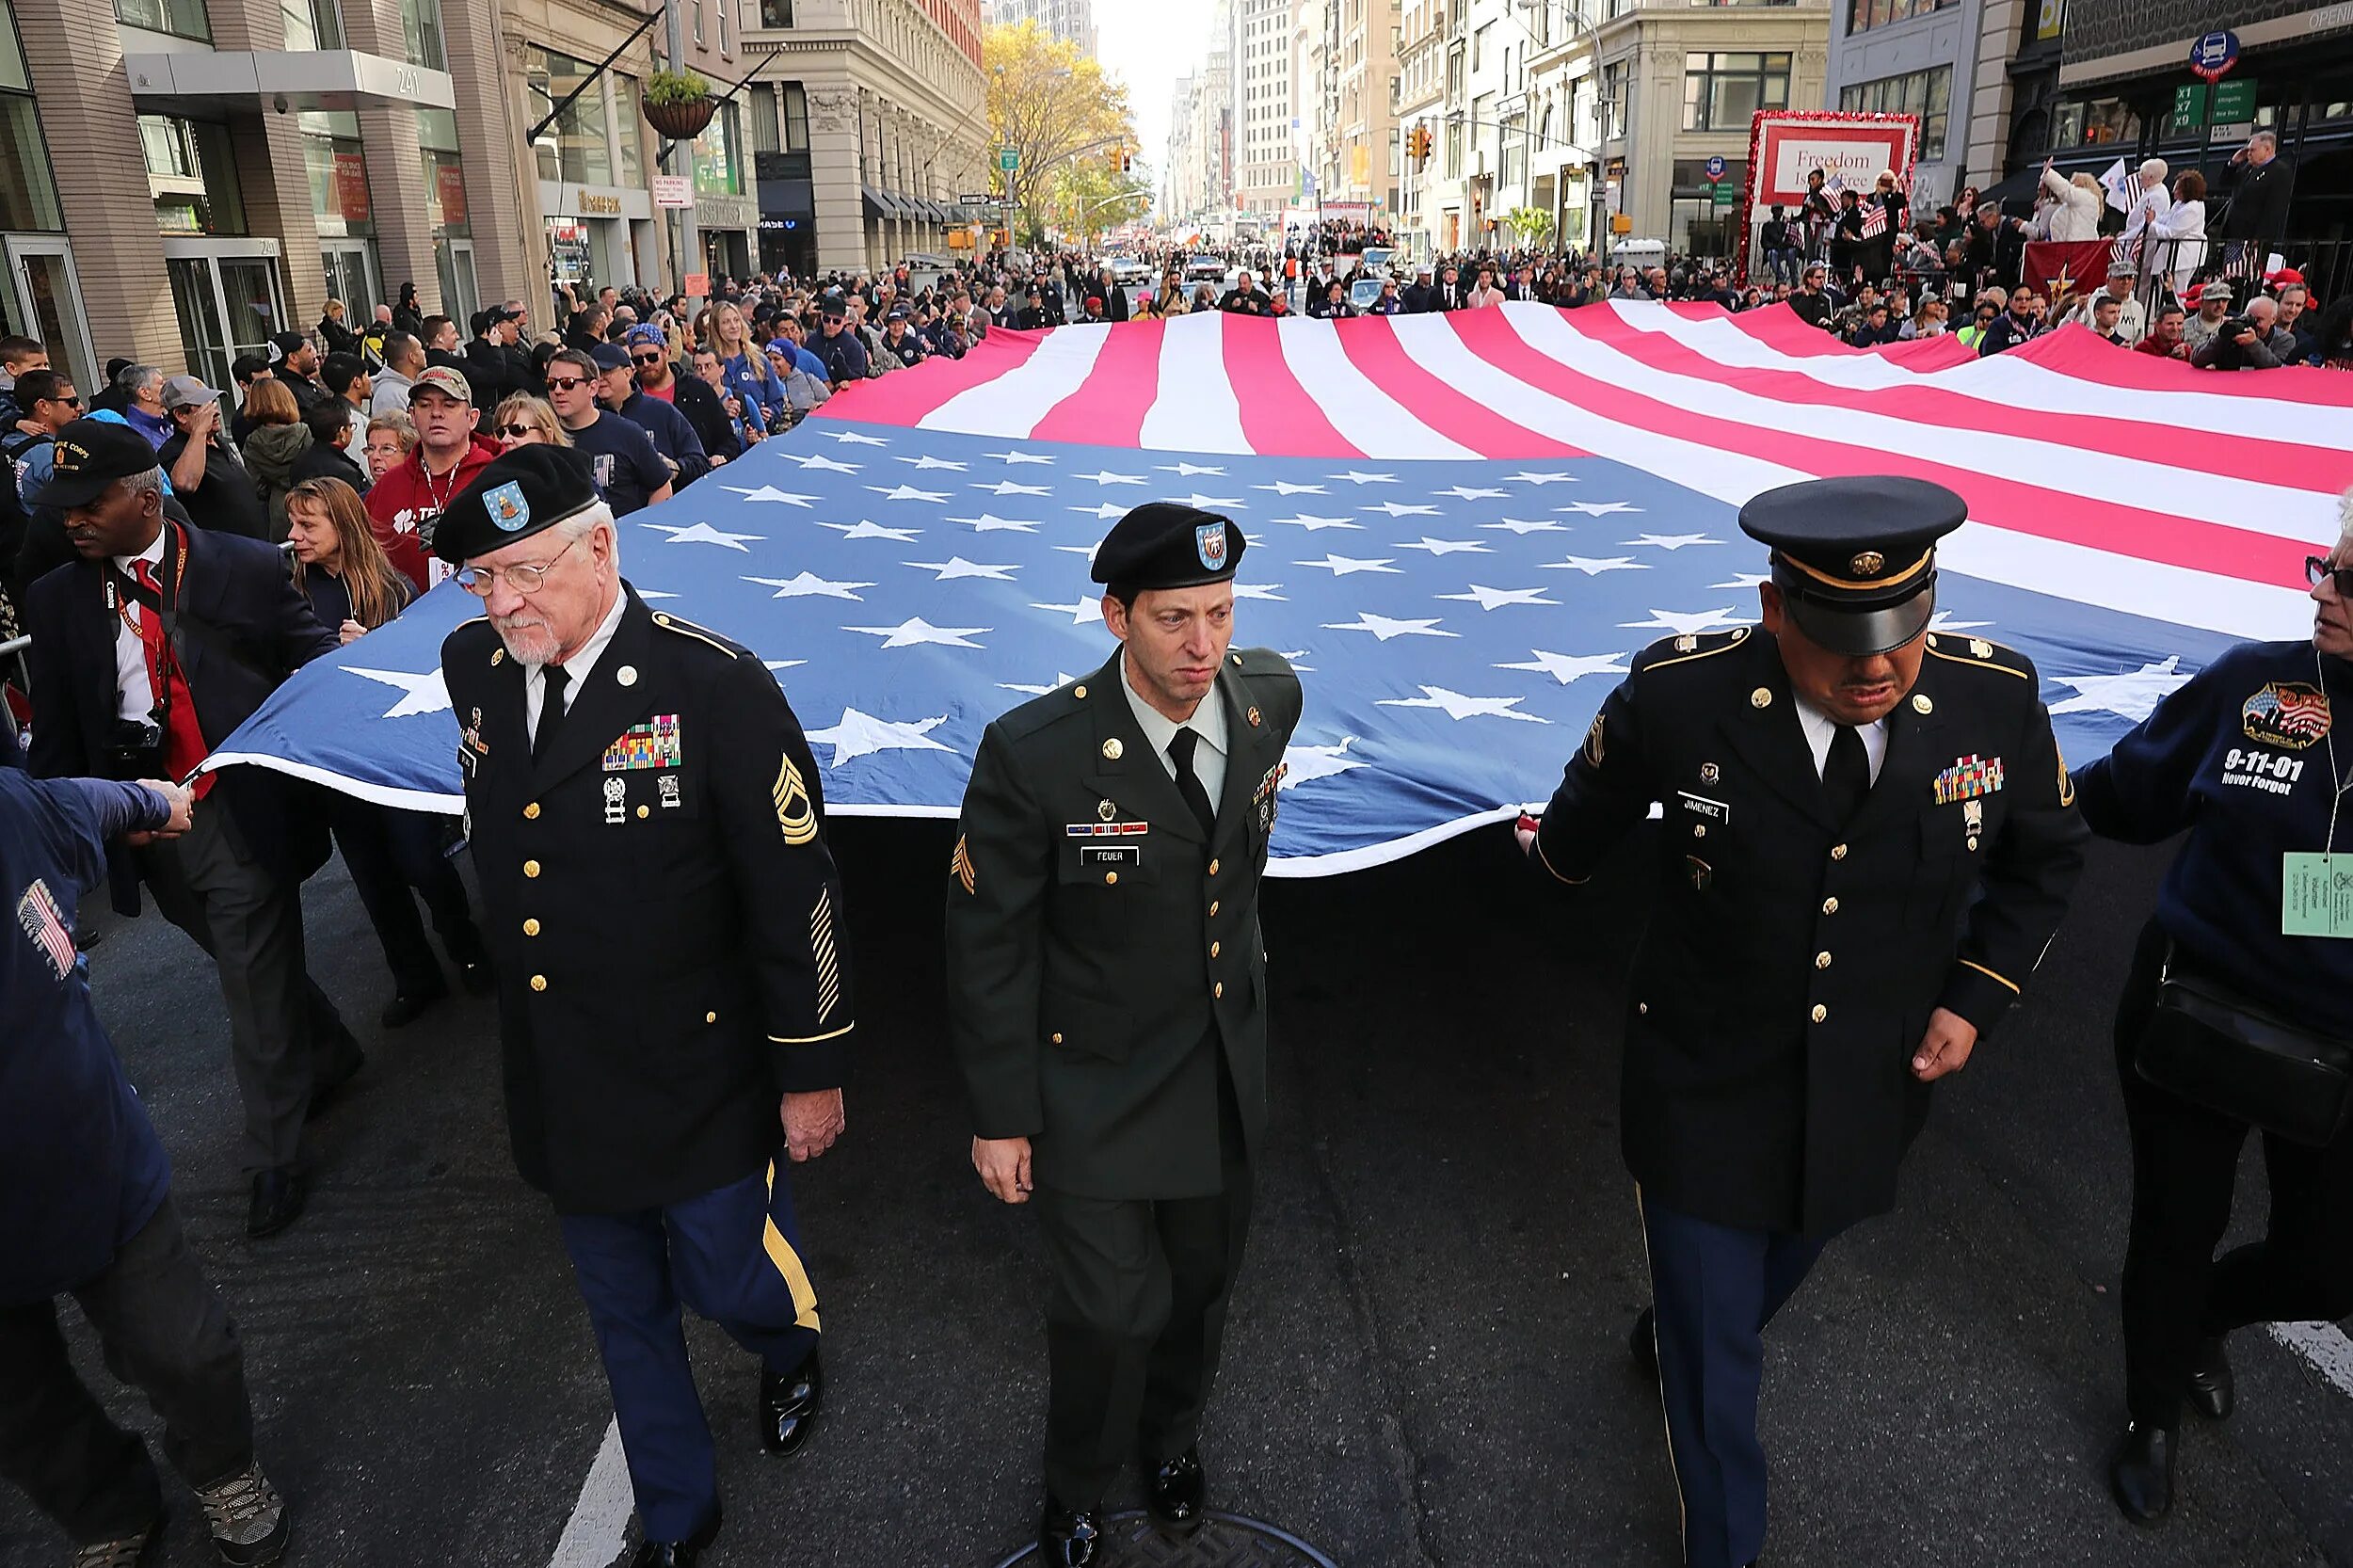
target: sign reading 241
<point>2212,56</point>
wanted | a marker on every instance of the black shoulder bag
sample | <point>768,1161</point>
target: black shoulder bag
<point>2216,1048</point>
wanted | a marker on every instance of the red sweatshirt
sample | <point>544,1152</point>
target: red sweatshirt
<point>406,501</point>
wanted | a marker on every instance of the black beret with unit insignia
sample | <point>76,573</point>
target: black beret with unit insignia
<point>1166,544</point>
<point>1855,559</point>
<point>521,493</point>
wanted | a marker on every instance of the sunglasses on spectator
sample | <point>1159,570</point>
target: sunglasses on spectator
<point>2316,568</point>
<point>645,359</point>
<point>519,431</point>
<point>73,402</point>
<point>566,383</point>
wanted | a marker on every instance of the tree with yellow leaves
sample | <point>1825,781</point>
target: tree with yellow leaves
<point>1054,106</point>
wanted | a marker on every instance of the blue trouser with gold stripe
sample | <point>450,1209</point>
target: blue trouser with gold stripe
<point>1714,1287</point>
<point>732,1255</point>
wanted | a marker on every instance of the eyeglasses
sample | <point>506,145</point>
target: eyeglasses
<point>480,581</point>
<point>566,383</point>
<point>2316,568</point>
<point>645,359</point>
<point>519,431</point>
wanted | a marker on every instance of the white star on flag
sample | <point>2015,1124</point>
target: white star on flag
<point>1470,492</point>
<point>702,533</point>
<point>862,734</point>
<point>1340,566</point>
<point>1684,623</point>
<point>1744,580</point>
<point>1519,525</point>
<point>1458,707</point>
<point>1284,486</point>
<point>419,694</point>
<point>1671,542</point>
<point>1079,611</point>
<point>1354,477</point>
<point>2135,694</point>
<point>1597,508</point>
<point>817,460</point>
<point>1494,598</point>
<point>927,460</point>
<point>1007,486</point>
<point>956,566</point>
<point>1205,502</point>
<point>777,665</point>
<point>1305,765</point>
<point>1404,509</point>
<point>1106,476</point>
<point>851,437</point>
<point>1019,457</point>
<point>1568,668</point>
<point>1383,628</point>
<point>989,522</point>
<point>654,592</point>
<point>1942,621</point>
<point>907,492</point>
<point>916,631</point>
<point>1593,566</point>
<point>1260,590</point>
<point>1186,470</point>
<point>1448,547</point>
<point>769,492</point>
<point>1105,510</point>
<point>1313,523</point>
<point>809,585</point>
<point>864,529</point>
<point>1060,680</point>
<point>1543,479</point>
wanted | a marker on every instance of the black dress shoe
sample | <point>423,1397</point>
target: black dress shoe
<point>278,1197</point>
<point>2212,1391</point>
<point>1069,1537</point>
<point>1176,1493</point>
<point>2140,1477</point>
<point>788,1402</point>
<point>678,1554</point>
<point>406,1007</point>
<point>1643,1340</point>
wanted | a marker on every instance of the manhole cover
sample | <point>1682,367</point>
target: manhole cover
<point>1226,1540</point>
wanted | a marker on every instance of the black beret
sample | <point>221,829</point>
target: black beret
<point>1855,559</point>
<point>1167,544</point>
<point>93,454</point>
<point>522,493</point>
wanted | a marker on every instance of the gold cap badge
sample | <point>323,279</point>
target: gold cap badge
<point>1867,564</point>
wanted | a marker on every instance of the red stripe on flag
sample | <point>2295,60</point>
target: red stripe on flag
<point>906,396</point>
<point>2008,503</point>
<point>2084,355</point>
<point>1108,408</point>
<point>1277,415</point>
<point>1371,345</point>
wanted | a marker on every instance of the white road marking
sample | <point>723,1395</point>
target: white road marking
<point>593,1535</point>
<point>2324,1346</point>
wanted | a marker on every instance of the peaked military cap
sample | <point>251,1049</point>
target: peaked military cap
<point>1855,559</point>
<point>1166,544</point>
<point>522,492</point>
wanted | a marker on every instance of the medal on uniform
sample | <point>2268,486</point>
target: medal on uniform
<point>616,798</point>
<point>668,784</point>
<point>473,734</point>
<point>1973,819</point>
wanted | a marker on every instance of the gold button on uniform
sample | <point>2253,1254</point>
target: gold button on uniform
<point>531,868</point>
<point>1212,909</point>
<point>1057,1037</point>
<point>1829,905</point>
<point>1213,947</point>
<point>538,982</point>
<point>644,811</point>
<point>1821,960</point>
<point>1699,830</point>
<point>530,928</point>
<point>1838,852</point>
<point>1109,878</point>
<point>1218,989</point>
<point>531,812</point>
<point>711,1018</point>
<point>1213,868</point>
<point>1820,1013</point>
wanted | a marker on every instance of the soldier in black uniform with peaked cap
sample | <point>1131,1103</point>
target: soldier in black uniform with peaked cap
<point>1869,839</point>
<point>1107,984</point>
<point>674,994</point>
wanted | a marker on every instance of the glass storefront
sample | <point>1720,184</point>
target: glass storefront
<point>342,210</point>
<point>446,210</point>
<point>576,147</point>
<point>192,175</point>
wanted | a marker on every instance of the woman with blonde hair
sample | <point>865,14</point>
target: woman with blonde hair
<point>743,368</point>
<point>523,420</point>
<point>274,443</point>
<point>352,585</point>
<point>2076,216</point>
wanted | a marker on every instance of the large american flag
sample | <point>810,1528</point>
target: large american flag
<point>1462,527</point>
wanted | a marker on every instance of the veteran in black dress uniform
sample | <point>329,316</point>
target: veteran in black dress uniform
<point>674,994</point>
<point>1869,839</point>
<point>1108,988</point>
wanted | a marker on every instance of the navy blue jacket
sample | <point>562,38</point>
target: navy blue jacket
<point>2239,758</point>
<point>79,1162</point>
<point>673,434</point>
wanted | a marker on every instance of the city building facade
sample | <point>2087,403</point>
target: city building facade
<point>1265,112</point>
<point>1071,20</point>
<point>1420,98</point>
<point>1933,57</point>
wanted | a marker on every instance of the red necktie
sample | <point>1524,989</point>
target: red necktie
<point>183,738</point>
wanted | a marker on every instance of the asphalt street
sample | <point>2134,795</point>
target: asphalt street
<point>1427,1360</point>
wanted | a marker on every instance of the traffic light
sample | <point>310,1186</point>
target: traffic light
<point>1118,160</point>
<point>1417,145</point>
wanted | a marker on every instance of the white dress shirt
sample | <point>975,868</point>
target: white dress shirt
<point>576,670</point>
<point>133,688</point>
<point>1820,729</point>
<point>1207,721</point>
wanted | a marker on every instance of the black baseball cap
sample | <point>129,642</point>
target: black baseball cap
<point>93,454</point>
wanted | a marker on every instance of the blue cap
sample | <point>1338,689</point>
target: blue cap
<point>645,332</point>
<point>610,356</point>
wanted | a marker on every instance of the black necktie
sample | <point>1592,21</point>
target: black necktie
<point>551,710</point>
<point>1847,774</point>
<point>1188,782</point>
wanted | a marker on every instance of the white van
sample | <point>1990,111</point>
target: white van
<point>1638,253</point>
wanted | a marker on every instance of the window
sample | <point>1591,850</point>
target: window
<point>1864,15</point>
<point>338,175</point>
<point>312,25</point>
<point>1722,91</point>
<point>1512,151</point>
<point>575,147</point>
<point>775,13</point>
<point>699,23</point>
<point>1613,100</point>
<point>767,131</point>
<point>28,189</point>
<point>421,34</point>
<point>630,122</point>
<point>717,165</point>
<point>2095,123</point>
<point>1926,94</point>
<point>180,18</point>
<point>192,176</point>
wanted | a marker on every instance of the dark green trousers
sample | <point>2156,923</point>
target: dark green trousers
<point>1136,1321</point>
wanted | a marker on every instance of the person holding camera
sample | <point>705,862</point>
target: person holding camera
<point>147,652</point>
<point>2243,342</point>
<point>2237,1016</point>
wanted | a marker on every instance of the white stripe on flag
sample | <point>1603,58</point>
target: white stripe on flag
<point>1196,409</point>
<point>1012,404</point>
<point>1367,415</point>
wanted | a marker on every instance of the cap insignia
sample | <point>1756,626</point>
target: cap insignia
<point>506,506</point>
<point>1209,542</point>
<point>1867,564</point>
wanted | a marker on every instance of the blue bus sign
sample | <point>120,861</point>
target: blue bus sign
<point>2212,56</point>
<point>1715,169</point>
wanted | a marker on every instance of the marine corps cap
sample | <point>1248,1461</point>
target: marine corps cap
<point>1166,544</point>
<point>522,492</point>
<point>93,454</point>
<point>1855,559</point>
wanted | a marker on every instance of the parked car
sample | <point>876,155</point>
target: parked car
<point>1204,269</point>
<point>1128,271</point>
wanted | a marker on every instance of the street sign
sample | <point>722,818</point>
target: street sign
<point>2189,106</point>
<point>2235,101</point>
<point>1008,159</point>
<point>673,190</point>
<point>982,199</point>
<point>1714,169</point>
<point>1726,196</point>
<point>695,286</point>
<point>2212,56</point>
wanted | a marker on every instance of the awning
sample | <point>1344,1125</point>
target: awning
<point>932,211</point>
<point>202,80</point>
<point>878,203</point>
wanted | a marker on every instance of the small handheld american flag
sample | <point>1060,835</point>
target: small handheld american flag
<point>1874,220</point>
